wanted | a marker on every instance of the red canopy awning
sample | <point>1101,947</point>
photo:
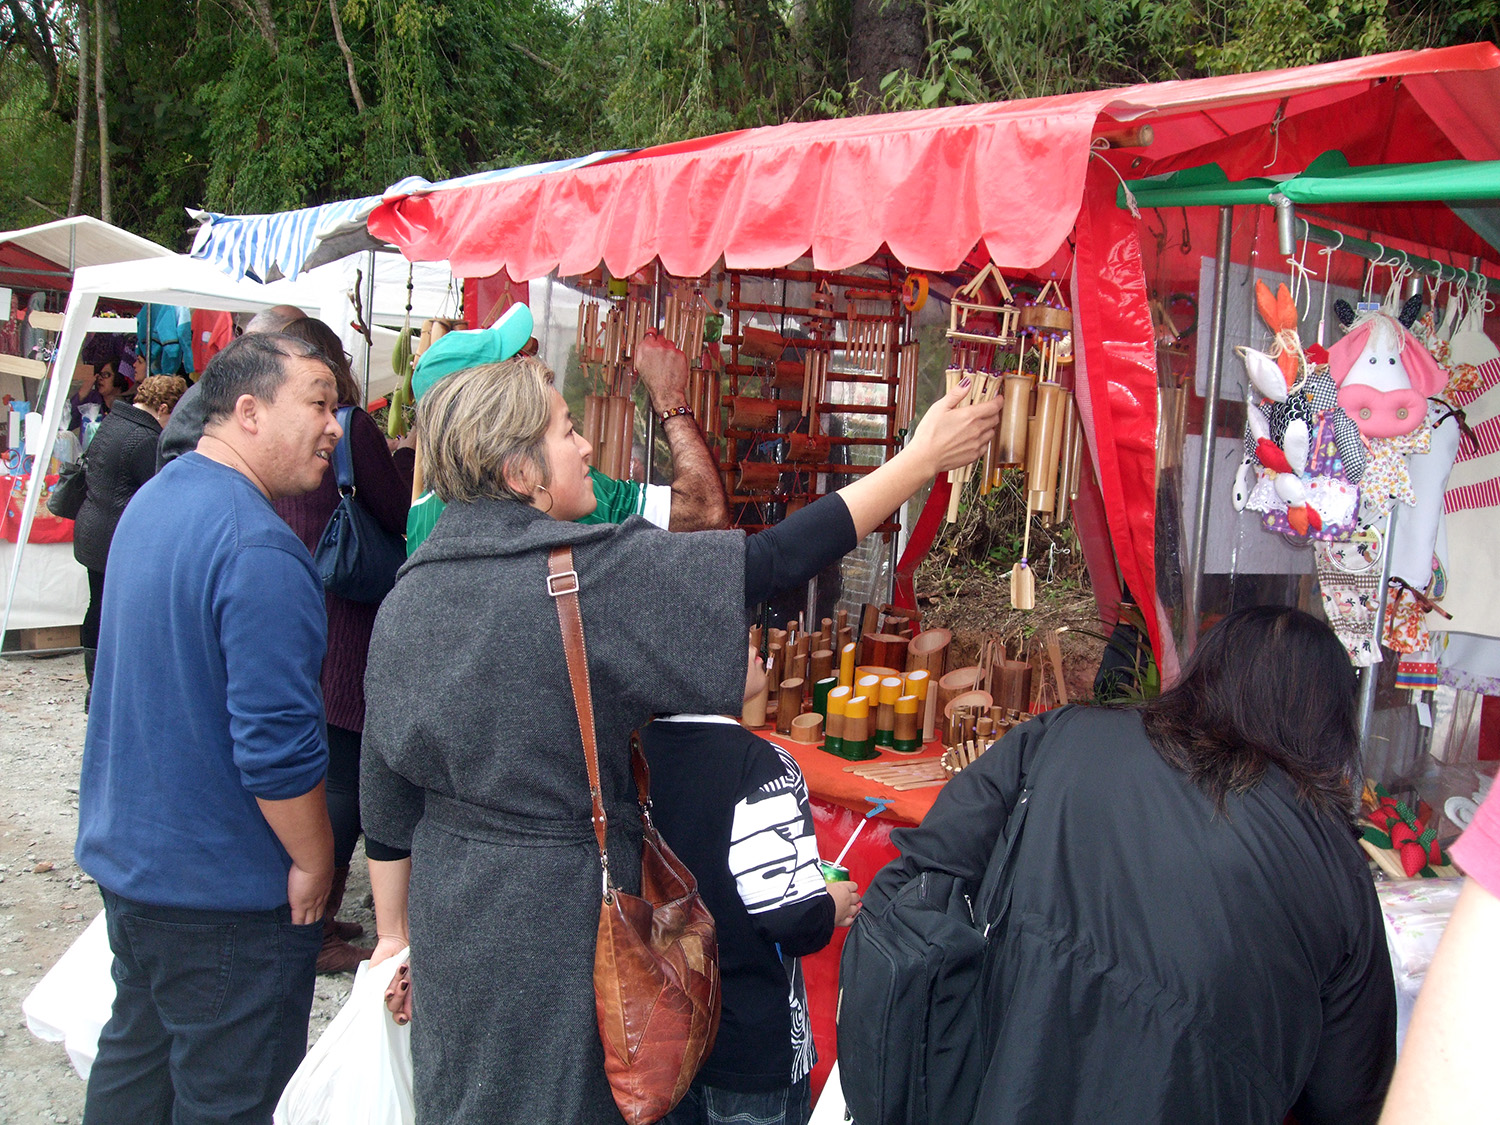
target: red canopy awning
<point>929,185</point>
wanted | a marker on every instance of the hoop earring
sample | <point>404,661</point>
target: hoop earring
<point>548,508</point>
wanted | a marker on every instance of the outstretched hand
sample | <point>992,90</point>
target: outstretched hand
<point>951,434</point>
<point>663,369</point>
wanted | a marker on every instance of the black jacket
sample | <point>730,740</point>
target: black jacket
<point>120,459</point>
<point>1162,962</point>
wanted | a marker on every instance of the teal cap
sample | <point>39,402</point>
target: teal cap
<point>458,350</point>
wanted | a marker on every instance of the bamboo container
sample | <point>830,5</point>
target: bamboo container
<point>846,665</point>
<point>879,670</point>
<point>869,619</point>
<point>788,703</point>
<point>821,688</point>
<point>822,664</point>
<point>917,682</point>
<point>789,375</point>
<point>754,476</point>
<point>968,701</point>
<point>808,728</point>
<point>754,714</point>
<point>928,651</point>
<point>885,649</point>
<point>885,710</point>
<point>747,413</point>
<point>1014,692</point>
<point>755,637</point>
<point>867,685</point>
<point>908,733</point>
<point>761,343</point>
<point>955,683</point>
<point>804,449</point>
<point>838,699</point>
<point>857,727</point>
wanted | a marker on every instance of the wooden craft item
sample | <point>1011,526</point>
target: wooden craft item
<point>821,688</point>
<point>969,304</point>
<point>761,343</point>
<point>803,449</point>
<point>982,387</point>
<point>808,728</point>
<point>907,370</point>
<point>885,649</point>
<point>869,619</point>
<point>1045,318</point>
<point>908,733</point>
<point>754,713</point>
<point>776,637</point>
<point>879,671</point>
<point>916,683</point>
<point>1014,692</point>
<point>928,650</point>
<point>1068,463</point>
<point>1022,580</point>
<point>968,701</point>
<point>756,476</point>
<point>747,413</point>
<point>1014,416</point>
<point>857,724</point>
<point>955,683</point>
<point>822,664</point>
<point>1042,456</point>
<point>788,703</point>
<point>1054,653</point>
<point>846,664</point>
<point>838,700</point>
<point>902,776</point>
<point>845,637</point>
<point>755,637</point>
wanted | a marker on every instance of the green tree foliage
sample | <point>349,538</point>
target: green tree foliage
<point>249,105</point>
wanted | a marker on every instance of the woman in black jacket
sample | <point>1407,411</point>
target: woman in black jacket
<point>120,459</point>
<point>1193,933</point>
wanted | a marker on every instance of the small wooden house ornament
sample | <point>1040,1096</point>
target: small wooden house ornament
<point>969,302</point>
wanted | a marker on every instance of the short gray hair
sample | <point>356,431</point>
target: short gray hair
<point>476,423</point>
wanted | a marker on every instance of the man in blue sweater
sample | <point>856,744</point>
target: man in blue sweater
<point>201,807</point>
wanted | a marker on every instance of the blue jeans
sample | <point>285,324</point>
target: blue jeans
<point>210,1014</point>
<point>711,1105</point>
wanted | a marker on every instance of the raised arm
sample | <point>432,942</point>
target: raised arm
<point>698,501</point>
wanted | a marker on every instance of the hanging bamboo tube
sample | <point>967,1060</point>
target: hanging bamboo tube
<point>1011,436</point>
<point>1042,457</point>
<point>746,413</point>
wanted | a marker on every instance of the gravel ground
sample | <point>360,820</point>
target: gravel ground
<point>45,900</point>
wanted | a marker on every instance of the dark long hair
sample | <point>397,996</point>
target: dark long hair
<point>330,350</point>
<point>1266,686</point>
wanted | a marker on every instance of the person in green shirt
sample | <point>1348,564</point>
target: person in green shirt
<point>694,501</point>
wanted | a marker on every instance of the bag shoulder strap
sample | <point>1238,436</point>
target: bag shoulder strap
<point>343,455</point>
<point>562,584</point>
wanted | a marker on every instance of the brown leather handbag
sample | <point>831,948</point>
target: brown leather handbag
<point>656,962</point>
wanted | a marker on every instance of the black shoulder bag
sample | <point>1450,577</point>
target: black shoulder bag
<point>356,557</point>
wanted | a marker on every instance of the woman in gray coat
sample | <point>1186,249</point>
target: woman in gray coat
<point>473,761</point>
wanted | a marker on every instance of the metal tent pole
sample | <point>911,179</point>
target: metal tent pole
<point>1369,676</point>
<point>1193,592</point>
<point>369,319</point>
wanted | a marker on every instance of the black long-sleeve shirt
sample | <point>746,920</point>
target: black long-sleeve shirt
<point>734,808</point>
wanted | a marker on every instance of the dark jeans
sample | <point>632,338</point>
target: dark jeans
<point>342,790</point>
<point>710,1105</point>
<point>210,1015</point>
<point>88,632</point>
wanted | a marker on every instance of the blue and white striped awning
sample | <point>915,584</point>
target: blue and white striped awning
<point>270,247</point>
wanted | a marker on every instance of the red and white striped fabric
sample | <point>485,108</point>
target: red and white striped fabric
<point>1471,505</point>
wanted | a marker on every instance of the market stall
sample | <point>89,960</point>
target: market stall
<point>36,272</point>
<point>757,226</point>
<point>164,280</point>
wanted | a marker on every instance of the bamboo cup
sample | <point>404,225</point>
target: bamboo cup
<point>838,699</point>
<point>885,710</point>
<point>788,703</point>
<point>908,733</point>
<point>821,688</point>
<point>808,728</point>
<point>955,683</point>
<point>888,650</point>
<point>1015,685</point>
<point>754,714</point>
<point>822,664</point>
<point>857,727</point>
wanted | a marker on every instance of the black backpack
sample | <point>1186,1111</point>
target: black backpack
<point>911,1048</point>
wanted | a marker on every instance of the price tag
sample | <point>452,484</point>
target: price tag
<point>1424,713</point>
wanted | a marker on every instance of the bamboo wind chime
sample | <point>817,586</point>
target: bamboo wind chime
<point>605,347</point>
<point>684,322</point>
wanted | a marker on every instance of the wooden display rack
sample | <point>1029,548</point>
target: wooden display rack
<point>857,333</point>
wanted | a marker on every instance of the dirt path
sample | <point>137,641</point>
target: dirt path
<point>45,900</point>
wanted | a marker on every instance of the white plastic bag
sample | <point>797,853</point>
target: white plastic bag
<point>72,1003</point>
<point>359,1071</point>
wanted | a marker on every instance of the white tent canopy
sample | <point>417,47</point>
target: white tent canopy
<point>83,241</point>
<point>170,280</point>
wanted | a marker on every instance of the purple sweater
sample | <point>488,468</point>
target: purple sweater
<point>383,486</point>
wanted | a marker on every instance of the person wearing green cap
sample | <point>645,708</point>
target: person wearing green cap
<point>695,499</point>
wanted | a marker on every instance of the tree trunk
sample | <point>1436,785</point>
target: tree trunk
<point>81,116</point>
<point>102,105</point>
<point>338,34</point>
<point>886,35</point>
